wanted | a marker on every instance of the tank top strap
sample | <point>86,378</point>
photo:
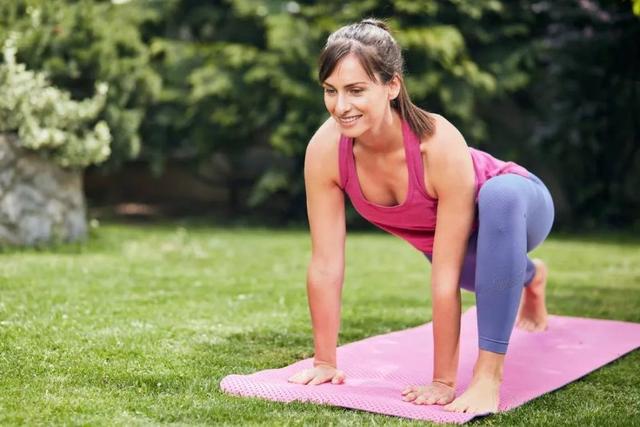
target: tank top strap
<point>414,158</point>
<point>344,151</point>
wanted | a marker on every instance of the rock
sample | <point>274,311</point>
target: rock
<point>7,154</point>
<point>40,202</point>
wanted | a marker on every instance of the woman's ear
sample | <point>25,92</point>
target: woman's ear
<point>394,87</point>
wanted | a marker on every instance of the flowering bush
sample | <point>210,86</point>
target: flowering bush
<point>46,119</point>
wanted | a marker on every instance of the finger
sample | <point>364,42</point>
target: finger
<point>317,380</point>
<point>420,400</point>
<point>425,400</point>
<point>409,397</point>
<point>294,378</point>
<point>409,389</point>
<point>301,377</point>
<point>338,378</point>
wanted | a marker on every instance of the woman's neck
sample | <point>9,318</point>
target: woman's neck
<point>385,138</point>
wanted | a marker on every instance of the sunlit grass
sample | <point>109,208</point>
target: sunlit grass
<point>139,325</point>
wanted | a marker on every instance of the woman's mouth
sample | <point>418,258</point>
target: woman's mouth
<point>349,120</point>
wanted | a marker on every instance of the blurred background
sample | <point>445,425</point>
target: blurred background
<point>162,109</point>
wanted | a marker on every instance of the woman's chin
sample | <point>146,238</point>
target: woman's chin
<point>351,131</point>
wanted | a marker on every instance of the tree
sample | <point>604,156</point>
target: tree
<point>241,72</point>
<point>80,43</point>
<point>588,102</point>
<point>47,120</point>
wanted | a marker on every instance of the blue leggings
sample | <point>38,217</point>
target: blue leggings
<point>515,215</point>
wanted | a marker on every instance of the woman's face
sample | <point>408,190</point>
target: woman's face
<point>356,103</point>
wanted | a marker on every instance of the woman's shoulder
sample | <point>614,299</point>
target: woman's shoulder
<point>326,138</point>
<point>323,150</point>
<point>446,158</point>
<point>446,140</point>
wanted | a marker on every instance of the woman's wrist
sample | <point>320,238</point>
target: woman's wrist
<point>319,362</point>
<point>448,383</point>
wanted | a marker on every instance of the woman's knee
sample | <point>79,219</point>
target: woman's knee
<point>502,196</point>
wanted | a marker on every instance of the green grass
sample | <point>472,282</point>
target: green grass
<point>139,325</point>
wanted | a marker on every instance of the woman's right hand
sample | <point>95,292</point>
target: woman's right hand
<point>318,375</point>
<point>435,393</point>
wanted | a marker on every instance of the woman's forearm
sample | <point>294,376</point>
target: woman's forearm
<point>324,296</point>
<point>446,334</point>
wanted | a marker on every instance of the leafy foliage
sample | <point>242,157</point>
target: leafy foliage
<point>47,119</point>
<point>201,80</point>
<point>243,72</point>
<point>80,43</point>
<point>589,108</point>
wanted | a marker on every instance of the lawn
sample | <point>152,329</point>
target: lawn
<point>138,325</point>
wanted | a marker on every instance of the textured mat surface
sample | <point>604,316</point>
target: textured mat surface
<point>378,368</point>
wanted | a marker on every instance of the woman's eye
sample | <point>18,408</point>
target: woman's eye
<point>357,91</point>
<point>329,91</point>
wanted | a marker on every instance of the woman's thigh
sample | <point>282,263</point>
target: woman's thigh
<point>532,197</point>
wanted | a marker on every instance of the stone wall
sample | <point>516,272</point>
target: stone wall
<point>39,201</point>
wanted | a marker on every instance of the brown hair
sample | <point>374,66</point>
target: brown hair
<point>372,43</point>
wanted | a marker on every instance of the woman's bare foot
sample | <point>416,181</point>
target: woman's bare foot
<point>532,315</point>
<point>483,394</point>
<point>481,397</point>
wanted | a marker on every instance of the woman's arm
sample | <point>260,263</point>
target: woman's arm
<point>451,173</point>
<point>326,212</point>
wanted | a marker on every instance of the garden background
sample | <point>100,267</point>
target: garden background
<point>187,121</point>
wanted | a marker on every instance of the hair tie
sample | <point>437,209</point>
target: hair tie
<point>376,23</point>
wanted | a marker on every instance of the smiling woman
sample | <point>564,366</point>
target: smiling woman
<point>361,61</point>
<point>412,174</point>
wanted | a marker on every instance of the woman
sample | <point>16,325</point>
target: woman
<point>406,170</point>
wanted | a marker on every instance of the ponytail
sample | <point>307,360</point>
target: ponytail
<point>419,120</point>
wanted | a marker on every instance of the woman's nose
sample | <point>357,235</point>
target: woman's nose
<point>342,105</point>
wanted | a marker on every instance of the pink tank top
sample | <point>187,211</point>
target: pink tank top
<point>414,220</point>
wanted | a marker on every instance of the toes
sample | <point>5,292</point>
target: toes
<point>526,325</point>
<point>480,411</point>
<point>452,407</point>
<point>540,327</point>
<point>457,406</point>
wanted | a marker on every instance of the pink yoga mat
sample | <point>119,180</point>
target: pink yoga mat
<point>380,367</point>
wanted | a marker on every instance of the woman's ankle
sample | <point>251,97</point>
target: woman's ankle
<point>489,365</point>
